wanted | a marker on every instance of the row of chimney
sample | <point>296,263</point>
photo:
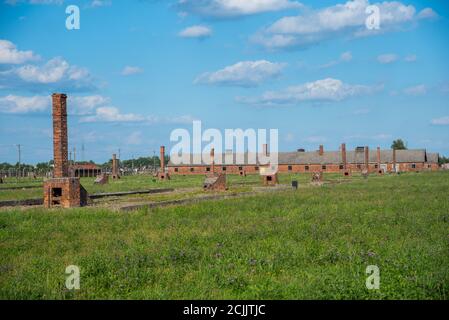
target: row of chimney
<point>366,151</point>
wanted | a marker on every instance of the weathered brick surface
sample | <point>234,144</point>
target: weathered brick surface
<point>162,175</point>
<point>115,171</point>
<point>64,192</point>
<point>297,168</point>
<point>60,144</point>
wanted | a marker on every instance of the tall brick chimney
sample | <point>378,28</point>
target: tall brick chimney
<point>378,158</point>
<point>60,144</point>
<point>321,151</point>
<point>114,165</point>
<point>212,158</point>
<point>367,158</point>
<point>162,152</point>
<point>343,155</point>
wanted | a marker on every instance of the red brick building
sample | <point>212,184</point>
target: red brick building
<point>325,161</point>
<point>84,170</point>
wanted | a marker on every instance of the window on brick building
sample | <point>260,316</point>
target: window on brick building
<point>290,168</point>
<point>413,166</point>
<point>223,168</point>
<point>208,169</point>
<point>256,168</point>
<point>176,170</point>
<point>376,166</point>
<point>323,167</point>
<point>240,168</point>
<point>191,169</point>
<point>359,166</point>
<point>341,167</point>
<point>306,168</point>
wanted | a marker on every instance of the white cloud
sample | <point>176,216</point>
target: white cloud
<point>427,13</point>
<point>196,32</point>
<point>443,121</point>
<point>18,104</point>
<point>234,8</point>
<point>129,70</point>
<point>321,90</point>
<point>10,55</point>
<point>112,114</point>
<point>410,58</point>
<point>344,57</point>
<point>346,19</point>
<point>52,71</point>
<point>84,105</point>
<point>387,58</point>
<point>244,73</point>
<point>416,90</point>
<point>14,2</point>
<point>100,3</point>
<point>55,74</point>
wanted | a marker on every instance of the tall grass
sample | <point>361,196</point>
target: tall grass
<point>313,243</point>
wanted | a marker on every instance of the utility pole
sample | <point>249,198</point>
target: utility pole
<point>74,155</point>
<point>82,152</point>
<point>119,158</point>
<point>20,155</point>
<point>154,161</point>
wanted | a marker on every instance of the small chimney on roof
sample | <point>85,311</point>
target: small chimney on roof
<point>321,151</point>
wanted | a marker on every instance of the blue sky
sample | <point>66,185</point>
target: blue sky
<point>136,70</point>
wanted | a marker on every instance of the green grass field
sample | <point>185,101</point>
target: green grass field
<point>312,243</point>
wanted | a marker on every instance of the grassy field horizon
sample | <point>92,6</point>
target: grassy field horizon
<point>310,243</point>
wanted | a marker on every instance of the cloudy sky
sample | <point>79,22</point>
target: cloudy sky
<point>136,70</point>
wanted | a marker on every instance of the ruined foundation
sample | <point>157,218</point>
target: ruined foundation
<point>215,182</point>
<point>64,193</point>
<point>317,178</point>
<point>102,179</point>
<point>270,180</point>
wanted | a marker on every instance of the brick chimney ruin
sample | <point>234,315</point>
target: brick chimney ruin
<point>62,190</point>
<point>162,175</point>
<point>321,150</point>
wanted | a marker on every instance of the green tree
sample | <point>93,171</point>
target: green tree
<point>443,159</point>
<point>399,145</point>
